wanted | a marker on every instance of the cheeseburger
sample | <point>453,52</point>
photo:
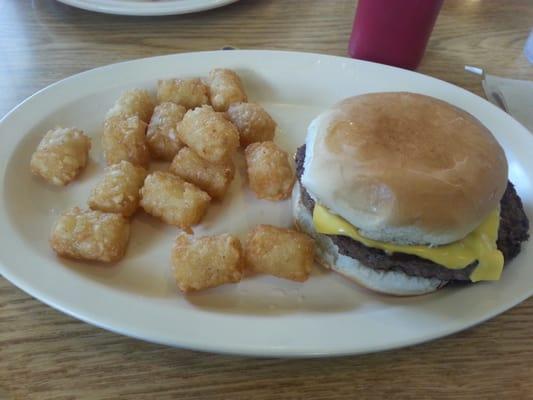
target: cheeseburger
<point>404,193</point>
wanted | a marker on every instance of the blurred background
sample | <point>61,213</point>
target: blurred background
<point>40,35</point>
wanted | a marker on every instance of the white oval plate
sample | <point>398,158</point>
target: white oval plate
<point>262,315</point>
<point>147,7</point>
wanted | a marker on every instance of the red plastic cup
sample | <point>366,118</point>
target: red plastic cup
<point>393,32</point>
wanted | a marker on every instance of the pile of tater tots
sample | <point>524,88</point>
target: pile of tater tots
<point>198,126</point>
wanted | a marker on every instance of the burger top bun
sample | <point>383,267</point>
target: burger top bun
<point>404,167</point>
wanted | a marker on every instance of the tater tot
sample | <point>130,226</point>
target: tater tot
<point>90,235</point>
<point>125,139</point>
<point>206,262</point>
<point>173,200</point>
<point>209,134</point>
<point>189,93</point>
<point>133,102</point>
<point>162,134</point>
<point>210,177</point>
<point>225,88</point>
<point>61,155</point>
<point>253,123</point>
<point>118,191</point>
<point>269,171</point>
<point>280,252</point>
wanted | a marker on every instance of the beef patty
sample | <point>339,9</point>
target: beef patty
<point>513,230</point>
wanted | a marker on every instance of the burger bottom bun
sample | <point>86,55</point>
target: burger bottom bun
<point>328,255</point>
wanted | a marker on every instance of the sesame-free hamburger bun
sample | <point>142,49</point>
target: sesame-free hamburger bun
<point>401,168</point>
<point>404,168</point>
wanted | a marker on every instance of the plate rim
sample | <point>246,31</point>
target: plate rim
<point>146,10</point>
<point>220,347</point>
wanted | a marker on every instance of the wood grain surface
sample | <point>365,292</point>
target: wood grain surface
<point>45,354</point>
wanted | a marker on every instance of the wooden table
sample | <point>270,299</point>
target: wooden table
<point>45,354</point>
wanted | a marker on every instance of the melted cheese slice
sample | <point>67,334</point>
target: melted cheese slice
<point>479,245</point>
